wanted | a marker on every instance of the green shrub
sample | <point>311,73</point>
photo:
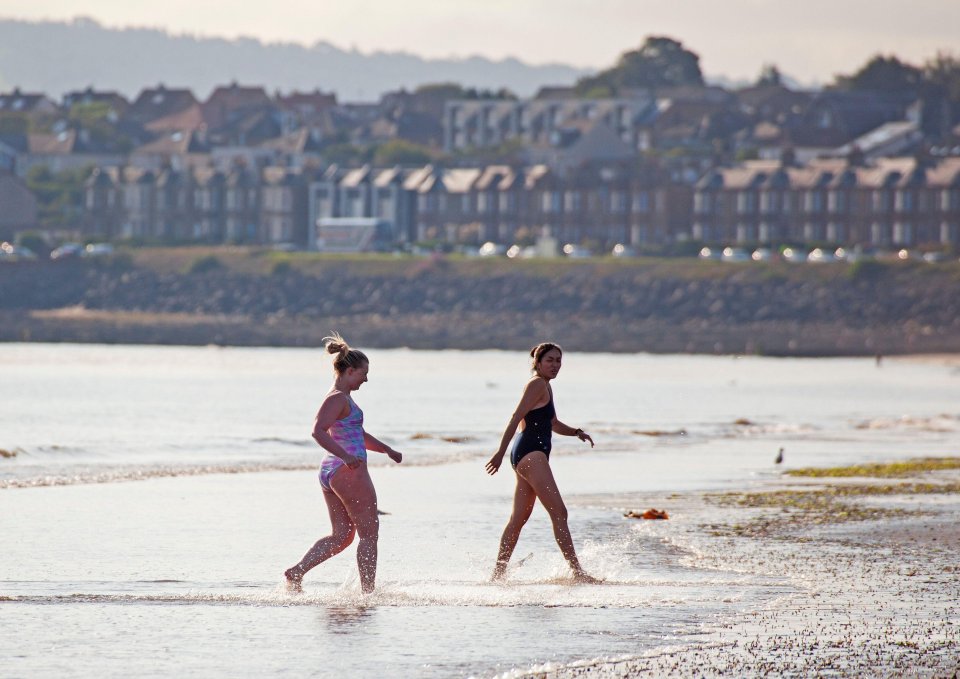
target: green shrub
<point>205,264</point>
<point>280,268</point>
<point>866,269</point>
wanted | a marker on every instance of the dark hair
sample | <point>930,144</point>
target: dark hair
<point>538,351</point>
<point>346,357</point>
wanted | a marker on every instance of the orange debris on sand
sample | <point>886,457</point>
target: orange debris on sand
<point>649,514</point>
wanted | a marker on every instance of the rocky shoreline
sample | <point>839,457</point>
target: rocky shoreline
<point>661,306</point>
<point>868,593</point>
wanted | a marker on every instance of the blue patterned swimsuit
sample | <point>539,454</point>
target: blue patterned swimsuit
<point>348,432</point>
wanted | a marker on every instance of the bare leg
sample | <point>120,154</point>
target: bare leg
<point>341,535</point>
<point>535,470</point>
<point>523,501</point>
<point>355,489</point>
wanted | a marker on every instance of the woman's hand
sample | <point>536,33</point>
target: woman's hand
<point>584,436</point>
<point>394,455</point>
<point>494,464</point>
<point>352,461</point>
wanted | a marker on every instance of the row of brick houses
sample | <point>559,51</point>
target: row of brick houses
<point>199,204</point>
<point>889,202</point>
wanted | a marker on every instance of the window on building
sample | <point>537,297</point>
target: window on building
<point>903,233</point>
<point>701,203</point>
<point>947,198</point>
<point>904,201</point>
<point>769,202</point>
<point>545,203</point>
<point>572,201</point>
<point>641,201</point>
<point>837,202</point>
<point>618,202</point>
<point>880,201</point>
<point>812,201</point>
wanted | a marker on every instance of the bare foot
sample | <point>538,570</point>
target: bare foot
<point>499,572</point>
<point>294,580</point>
<point>582,578</point>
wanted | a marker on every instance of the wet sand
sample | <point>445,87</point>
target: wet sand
<point>871,598</point>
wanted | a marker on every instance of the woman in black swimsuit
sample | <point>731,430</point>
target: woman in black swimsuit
<point>530,457</point>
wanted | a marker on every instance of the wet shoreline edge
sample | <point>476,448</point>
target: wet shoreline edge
<point>879,596</point>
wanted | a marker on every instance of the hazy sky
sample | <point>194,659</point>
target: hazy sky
<point>811,40</point>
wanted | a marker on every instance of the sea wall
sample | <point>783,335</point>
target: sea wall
<point>659,306</point>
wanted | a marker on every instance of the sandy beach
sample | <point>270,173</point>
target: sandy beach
<point>873,598</point>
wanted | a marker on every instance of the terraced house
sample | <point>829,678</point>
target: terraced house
<point>197,204</point>
<point>888,202</point>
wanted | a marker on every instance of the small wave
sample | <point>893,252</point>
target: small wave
<point>449,438</point>
<point>749,428</point>
<point>53,449</point>
<point>286,442</point>
<point>548,592</point>
<point>143,474</point>
<point>437,459</point>
<point>124,474</point>
<point>937,424</point>
<point>660,432</point>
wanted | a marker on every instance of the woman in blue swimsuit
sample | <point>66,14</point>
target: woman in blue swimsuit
<point>530,457</point>
<point>347,487</point>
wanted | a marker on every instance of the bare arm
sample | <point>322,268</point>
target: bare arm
<point>376,445</point>
<point>559,427</point>
<point>532,393</point>
<point>330,411</point>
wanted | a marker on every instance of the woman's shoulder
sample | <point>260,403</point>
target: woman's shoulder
<point>336,397</point>
<point>537,385</point>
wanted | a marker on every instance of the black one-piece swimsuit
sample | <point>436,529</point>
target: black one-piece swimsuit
<point>536,434</point>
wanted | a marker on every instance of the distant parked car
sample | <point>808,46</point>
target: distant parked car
<point>709,253</point>
<point>517,252</point>
<point>14,253</point>
<point>735,255</point>
<point>576,251</point>
<point>621,250</point>
<point>97,250</point>
<point>761,255</point>
<point>906,254</point>
<point>934,257</point>
<point>66,251</point>
<point>793,255</point>
<point>820,256</point>
<point>491,249</point>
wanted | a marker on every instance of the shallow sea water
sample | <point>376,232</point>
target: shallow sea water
<point>158,493</point>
